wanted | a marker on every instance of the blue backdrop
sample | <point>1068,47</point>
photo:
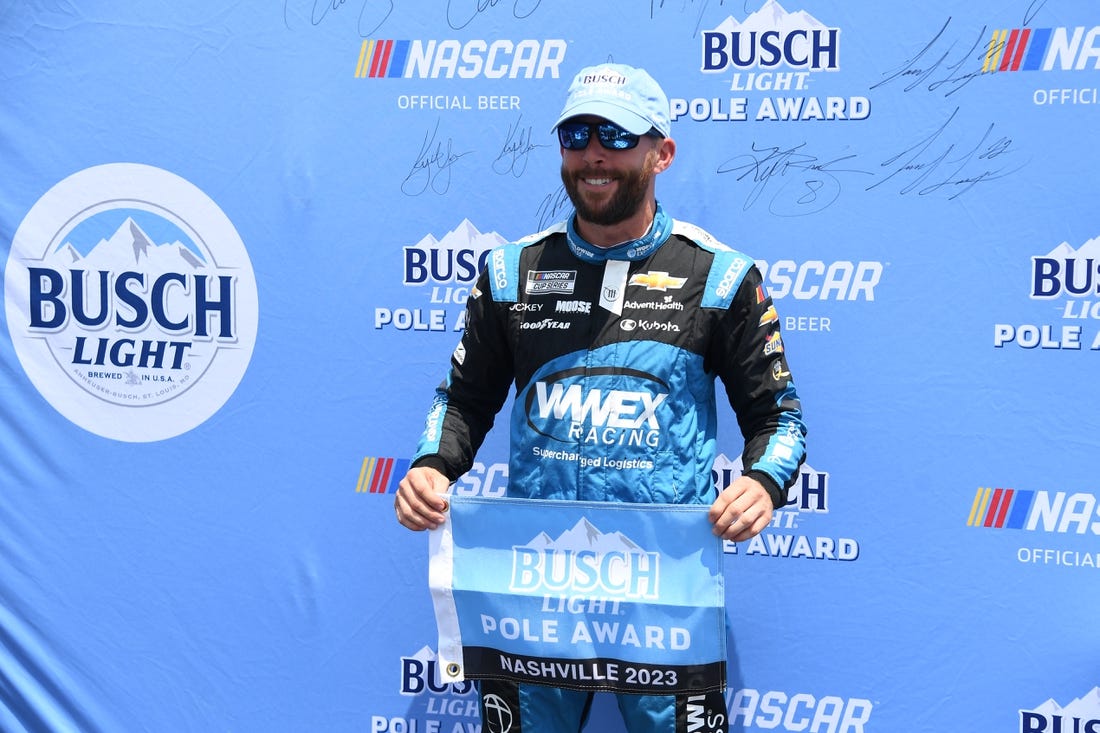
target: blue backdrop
<point>237,242</point>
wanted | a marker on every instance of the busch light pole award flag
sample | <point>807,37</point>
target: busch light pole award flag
<point>589,596</point>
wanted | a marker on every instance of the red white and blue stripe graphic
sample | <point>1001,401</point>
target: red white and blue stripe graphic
<point>1017,49</point>
<point>1000,508</point>
<point>382,58</point>
<point>381,475</point>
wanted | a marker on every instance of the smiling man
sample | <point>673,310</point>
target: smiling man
<point>614,326</point>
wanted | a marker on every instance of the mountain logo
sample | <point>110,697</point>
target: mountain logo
<point>583,561</point>
<point>1082,714</point>
<point>1065,271</point>
<point>771,39</point>
<point>456,258</point>
<point>131,302</point>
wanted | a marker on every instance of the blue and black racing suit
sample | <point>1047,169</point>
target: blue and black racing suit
<point>614,354</point>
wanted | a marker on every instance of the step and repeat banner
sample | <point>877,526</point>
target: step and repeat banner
<point>237,242</point>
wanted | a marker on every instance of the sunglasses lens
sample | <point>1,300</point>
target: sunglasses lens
<point>575,136</point>
<point>614,137</point>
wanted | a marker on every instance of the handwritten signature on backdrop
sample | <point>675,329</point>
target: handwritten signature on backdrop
<point>370,15</point>
<point>790,179</point>
<point>431,169</point>
<point>951,160</point>
<point>801,182</point>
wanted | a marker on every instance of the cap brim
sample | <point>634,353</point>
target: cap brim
<point>629,121</point>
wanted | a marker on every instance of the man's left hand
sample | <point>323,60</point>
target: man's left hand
<point>742,510</point>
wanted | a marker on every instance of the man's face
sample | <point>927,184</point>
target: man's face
<point>608,186</point>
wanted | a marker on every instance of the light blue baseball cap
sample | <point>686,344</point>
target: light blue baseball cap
<point>625,95</point>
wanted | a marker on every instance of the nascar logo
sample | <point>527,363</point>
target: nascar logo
<point>500,59</point>
<point>381,475</point>
<point>1034,49</point>
<point>1054,511</point>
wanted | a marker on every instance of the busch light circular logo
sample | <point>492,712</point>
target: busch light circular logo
<point>131,302</point>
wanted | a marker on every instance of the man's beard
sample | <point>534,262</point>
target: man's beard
<point>631,191</point>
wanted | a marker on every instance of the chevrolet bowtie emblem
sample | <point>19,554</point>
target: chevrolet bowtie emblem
<point>657,281</point>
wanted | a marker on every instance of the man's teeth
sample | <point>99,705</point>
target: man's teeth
<point>597,181</point>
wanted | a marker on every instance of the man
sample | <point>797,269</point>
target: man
<point>613,326</point>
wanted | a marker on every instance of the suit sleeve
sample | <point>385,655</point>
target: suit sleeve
<point>476,386</point>
<point>748,356</point>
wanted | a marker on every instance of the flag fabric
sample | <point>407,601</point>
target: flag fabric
<point>582,595</point>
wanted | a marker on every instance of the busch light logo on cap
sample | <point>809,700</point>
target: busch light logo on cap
<point>131,302</point>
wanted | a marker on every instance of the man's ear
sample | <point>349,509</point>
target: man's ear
<point>666,151</point>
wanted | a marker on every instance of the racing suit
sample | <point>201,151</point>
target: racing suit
<point>614,354</point>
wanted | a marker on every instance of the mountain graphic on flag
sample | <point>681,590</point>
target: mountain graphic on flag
<point>585,536</point>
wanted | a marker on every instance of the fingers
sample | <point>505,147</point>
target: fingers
<point>741,511</point>
<point>419,502</point>
<point>745,527</point>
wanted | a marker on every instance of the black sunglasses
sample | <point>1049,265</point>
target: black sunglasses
<point>575,135</point>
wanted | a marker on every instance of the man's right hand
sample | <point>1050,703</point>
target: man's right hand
<point>420,503</point>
